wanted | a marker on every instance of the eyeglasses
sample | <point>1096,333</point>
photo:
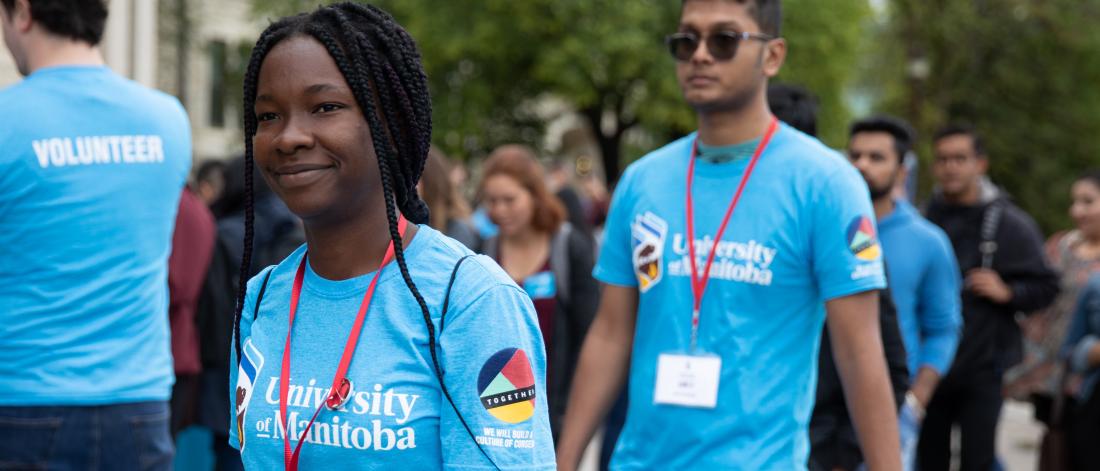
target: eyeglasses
<point>721,45</point>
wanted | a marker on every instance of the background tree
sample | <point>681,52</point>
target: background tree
<point>498,67</point>
<point>1022,71</point>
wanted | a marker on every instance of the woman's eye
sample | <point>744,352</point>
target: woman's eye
<point>261,117</point>
<point>328,107</point>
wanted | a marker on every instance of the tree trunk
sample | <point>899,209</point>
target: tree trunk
<point>610,145</point>
<point>610,152</point>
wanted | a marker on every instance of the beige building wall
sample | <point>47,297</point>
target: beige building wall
<point>229,22</point>
<point>8,73</point>
<point>129,43</point>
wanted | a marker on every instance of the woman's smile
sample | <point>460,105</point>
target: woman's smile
<point>300,175</point>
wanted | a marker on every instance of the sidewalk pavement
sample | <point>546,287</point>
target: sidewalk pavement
<point>1017,440</point>
<point>1018,437</point>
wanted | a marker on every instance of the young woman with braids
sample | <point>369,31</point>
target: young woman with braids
<point>356,341</point>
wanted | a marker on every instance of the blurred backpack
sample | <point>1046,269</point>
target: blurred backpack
<point>276,238</point>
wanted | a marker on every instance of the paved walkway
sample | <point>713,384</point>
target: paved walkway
<point>1018,437</point>
<point>1017,440</point>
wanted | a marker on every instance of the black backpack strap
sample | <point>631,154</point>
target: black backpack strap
<point>446,394</point>
<point>260,295</point>
<point>991,221</point>
<point>236,339</point>
<point>560,262</point>
<point>447,293</point>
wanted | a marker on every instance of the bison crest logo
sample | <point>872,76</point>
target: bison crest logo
<point>648,235</point>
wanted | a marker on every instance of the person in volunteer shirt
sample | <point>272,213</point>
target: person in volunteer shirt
<point>736,392</point>
<point>339,124</point>
<point>92,166</point>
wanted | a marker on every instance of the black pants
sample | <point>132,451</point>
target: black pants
<point>973,402</point>
<point>1083,429</point>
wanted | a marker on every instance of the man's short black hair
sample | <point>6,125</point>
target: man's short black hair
<point>767,13</point>
<point>794,105</point>
<point>82,20</point>
<point>896,127</point>
<point>210,169</point>
<point>957,129</point>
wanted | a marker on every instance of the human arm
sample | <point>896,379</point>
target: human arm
<point>604,363</point>
<point>1082,345</point>
<point>493,361</point>
<point>1021,278</point>
<point>860,360</point>
<point>1088,354</point>
<point>939,314</point>
<point>924,386</point>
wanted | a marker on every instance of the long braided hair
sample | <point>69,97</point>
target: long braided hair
<point>381,64</point>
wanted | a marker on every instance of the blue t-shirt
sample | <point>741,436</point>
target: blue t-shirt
<point>396,418</point>
<point>802,234</point>
<point>924,281</point>
<point>92,169</point>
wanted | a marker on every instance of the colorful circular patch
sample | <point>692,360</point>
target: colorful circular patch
<point>862,240</point>
<point>507,386</point>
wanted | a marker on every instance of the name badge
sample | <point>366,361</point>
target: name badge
<point>541,285</point>
<point>687,380</point>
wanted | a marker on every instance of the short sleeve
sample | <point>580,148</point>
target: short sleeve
<point>846,254</point>
<point>494,364</point>
<point>614,265</point>
<point>235,366</point>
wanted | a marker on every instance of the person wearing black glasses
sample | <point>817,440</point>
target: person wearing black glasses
<point>724,253</point>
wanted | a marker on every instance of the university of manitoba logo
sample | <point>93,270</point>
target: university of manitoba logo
<point>252,362</point>
<point>862,240</point>
<point>506,386</point>
<point>648,235</point>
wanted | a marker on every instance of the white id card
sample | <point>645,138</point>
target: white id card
<point>687,380</point>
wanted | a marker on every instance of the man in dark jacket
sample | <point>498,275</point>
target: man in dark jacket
<point>1000,253</point>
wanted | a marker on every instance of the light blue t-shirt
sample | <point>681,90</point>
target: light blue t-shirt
<point>490,349</point>
<point>924,281</point>
<point>92,169</point>
<point>802,234</point>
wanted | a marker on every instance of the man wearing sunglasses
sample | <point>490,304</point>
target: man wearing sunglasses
<point>724,253</point>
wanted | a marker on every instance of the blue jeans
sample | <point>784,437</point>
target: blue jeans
<point>120,436</point>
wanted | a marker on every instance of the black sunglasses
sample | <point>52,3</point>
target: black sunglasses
<point>721,45</point>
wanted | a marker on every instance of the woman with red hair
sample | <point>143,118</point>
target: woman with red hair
<point>546,256</point>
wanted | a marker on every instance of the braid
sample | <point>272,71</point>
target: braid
<point>389,163</point>
<point>272,35</point>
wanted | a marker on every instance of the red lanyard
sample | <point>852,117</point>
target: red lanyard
<point>699,283</point>
<point>341,387</point>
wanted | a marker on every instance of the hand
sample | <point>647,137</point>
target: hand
<point>988,284</point>
<point>909,424</point>
<point>1073,384</point>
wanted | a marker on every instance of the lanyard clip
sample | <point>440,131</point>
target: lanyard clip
<point>694,329</point>
<point>339,395</point>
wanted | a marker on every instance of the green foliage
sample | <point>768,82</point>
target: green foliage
<point>1022,71</point>
<point>492,64</point>
<point>826,41</point>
